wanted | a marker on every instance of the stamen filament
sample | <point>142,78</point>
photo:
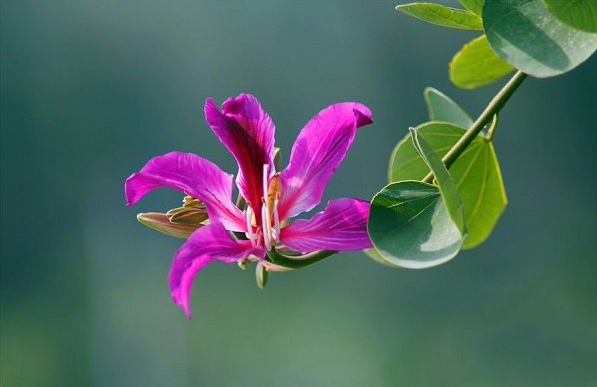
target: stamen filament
<point>250,233</point>
<point>265,180</point>
<point>276,220</point>
<point>266,219</point>
<point>266,227</point>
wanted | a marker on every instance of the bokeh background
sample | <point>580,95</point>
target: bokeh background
<point>92,90</point>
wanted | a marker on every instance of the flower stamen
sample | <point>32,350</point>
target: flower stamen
<point>266,218</point>
<point>276,220</point>
<point>250,233</point>
<point>266,227</point>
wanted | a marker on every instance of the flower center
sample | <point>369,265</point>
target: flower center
<point>270,219</point>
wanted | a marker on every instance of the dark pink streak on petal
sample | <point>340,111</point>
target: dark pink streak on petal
<point>248,132</point>
<point>317,152</point>
<point>193,175</point>
<point>342,225</point>
<point>207,244</point>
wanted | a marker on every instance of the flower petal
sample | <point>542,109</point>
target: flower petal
<point>248,132</point>
<point>182,295</point>
<point>206,244</point>
<point>317,152</point>
<point>342,225</point>
<point>193,175</point>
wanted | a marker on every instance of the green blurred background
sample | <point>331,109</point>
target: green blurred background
<point>91,91</point>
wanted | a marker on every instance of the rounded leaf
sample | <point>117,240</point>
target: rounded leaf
<point>476,64</point>
<point>443,179</point>
<point>580,14</point>
<point>377,257</point>
<point>443,108</point>
<point>532,39</point>
<point>410,226</point>
<point>476,173</point>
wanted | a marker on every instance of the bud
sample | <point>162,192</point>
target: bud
<point>261,275</point>
<point>161,222</point>
<point>187,215</point>
<point>243,263</point>
<point>189,201</point>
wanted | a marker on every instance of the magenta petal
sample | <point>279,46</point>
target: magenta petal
<point>182,296</point>
<point>248,132</point>
<point>206,244</point>
<point>342,225</point>
<point>193,175</point>
<point>317,152</point>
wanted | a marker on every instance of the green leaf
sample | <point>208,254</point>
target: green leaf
<point>580,14</point>
<point>476,64</point>
<point>475,6</point>
<point>442,108</point>
<point>377,257</point>
<point>443,178</point>
<point>530,38</point>
<point>414,224</point>
<point>410,226</point>
<point>442,15</point>
<point>476,173</point>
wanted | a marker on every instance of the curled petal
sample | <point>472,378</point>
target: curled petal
<point>341,226</point>
<point>317,152</point>
<point>193,175</point>
<point>182,296</point>
<point>206,244</point>
<point>248,132</point>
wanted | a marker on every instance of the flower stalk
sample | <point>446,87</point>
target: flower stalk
<point>297,262</point>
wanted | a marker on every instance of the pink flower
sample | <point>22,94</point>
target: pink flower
<point>272,198</point>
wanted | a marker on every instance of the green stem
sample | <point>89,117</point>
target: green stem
<point>493,108</point>
<point>299,261</point>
